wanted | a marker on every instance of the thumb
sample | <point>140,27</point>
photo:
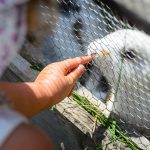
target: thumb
<point>71,92</point>
<point>76,73</point>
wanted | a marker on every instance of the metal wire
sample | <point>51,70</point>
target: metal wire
<point>119,68</point>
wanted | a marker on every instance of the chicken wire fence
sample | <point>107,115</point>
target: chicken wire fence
<point>117,80</point>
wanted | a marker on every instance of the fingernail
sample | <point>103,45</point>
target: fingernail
<point>91,56</point>
<point>81,68</point>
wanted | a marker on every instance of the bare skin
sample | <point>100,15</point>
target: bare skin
<point>53,84</point>
<point>28,137</point>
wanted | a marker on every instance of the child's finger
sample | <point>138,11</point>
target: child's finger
<point>71,92</point>
<point>70,64</point>
<point>76,74</point>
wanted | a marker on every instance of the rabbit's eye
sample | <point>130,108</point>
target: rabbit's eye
<point>129,54</point>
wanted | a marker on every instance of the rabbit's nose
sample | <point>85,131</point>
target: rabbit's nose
<point>104,54</point>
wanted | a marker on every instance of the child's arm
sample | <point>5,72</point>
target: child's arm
<point>53,84</point>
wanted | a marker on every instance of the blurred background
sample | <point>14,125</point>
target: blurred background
<point>114,92</point>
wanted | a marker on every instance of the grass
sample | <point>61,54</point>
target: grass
<point>36,66</point>
<point>111,125</point>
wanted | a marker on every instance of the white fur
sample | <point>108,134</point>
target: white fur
<point>132,102</point>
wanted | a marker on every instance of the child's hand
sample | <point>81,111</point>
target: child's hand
<point>57,80</point>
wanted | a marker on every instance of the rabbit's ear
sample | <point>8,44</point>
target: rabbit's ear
<point>36,22</point>
<point>32,15</point>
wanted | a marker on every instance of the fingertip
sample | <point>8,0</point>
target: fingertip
<point>81,68</point>
<point>89,57</point>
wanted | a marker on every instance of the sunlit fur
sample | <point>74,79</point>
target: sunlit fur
<point>127,67</point>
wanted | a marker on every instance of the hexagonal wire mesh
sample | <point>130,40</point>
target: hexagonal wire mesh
<point>117,80</point>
